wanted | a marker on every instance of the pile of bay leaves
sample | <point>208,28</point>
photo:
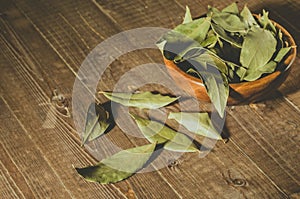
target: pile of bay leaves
<point>225,46</point>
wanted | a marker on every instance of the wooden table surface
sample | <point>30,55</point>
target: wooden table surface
<point>43,44</point>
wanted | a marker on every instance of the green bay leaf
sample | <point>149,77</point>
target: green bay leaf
<point>223,35</point>
<point>96,122</point>
<point>282,52</point>
<point>198,123</point>
<point>248,17</point>
<point>187,17</point>
<point>140,100</point>
<point>215,82</point>
<point>232,8</point>
<point>119,166</point>
<point>195,30</point>
<point>258,47</point>
<point>157,132</point>
<point>255,73</point>
<point>230,22</point>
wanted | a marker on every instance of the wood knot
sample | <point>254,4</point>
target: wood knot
<point>239,182</point>
<point>173,163</point>
<point>60,102</point>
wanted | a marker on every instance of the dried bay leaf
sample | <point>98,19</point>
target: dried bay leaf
<point>258,48</point>
<point>255,73</point>
<point>216,84</point>
<point>223,35</point>
<point>232,8</point>
<point>187,17</point>
<point>230,22</point>
<point>198,123</point>
<point>266,23</point>
<point>282,52</point>
<point>140,100</point>
<point>157,132</point>
<point>248,17</point>
<point>96,122</point>
<point>119,166</point>
<point>195,30</point>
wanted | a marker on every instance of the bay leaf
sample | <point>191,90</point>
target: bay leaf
<point>230,22</point>
<point>282,52</point>
<point>198,123</point>
<point>96,122</point>
<point>187,17</point>
<point>140,100</point>
<point>158,132</point>
<point>255,73</point>
<point>216,84</point>
<point>248,17</point>
<point>119,166</point>
<point>232,8</point>
<point>210,40</point>
<point>266,23</point>
<point>196,29</point>
<point>222,34</point>
<point>258,47</point>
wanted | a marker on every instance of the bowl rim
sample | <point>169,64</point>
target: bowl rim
<point>289,59</point>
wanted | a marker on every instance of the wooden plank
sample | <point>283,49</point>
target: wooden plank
<point>28,159</point>
<point>8,188</point>
<point>34,115</point>
<point>130,10</point>
<point>181,183</point>
<point>62,130</point>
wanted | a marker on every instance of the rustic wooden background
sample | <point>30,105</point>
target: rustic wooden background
<point>43,44</point>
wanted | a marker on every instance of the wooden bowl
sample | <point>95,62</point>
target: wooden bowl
<point>240,93</point>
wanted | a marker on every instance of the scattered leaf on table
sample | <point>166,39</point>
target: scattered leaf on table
<point>96,122</point>
<point>258,47</point>
<point>198,123</point>
<point>140,100</point>
<point>157,132</point>
<point>119,166</point>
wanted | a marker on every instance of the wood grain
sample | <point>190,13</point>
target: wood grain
<point>43,44</point>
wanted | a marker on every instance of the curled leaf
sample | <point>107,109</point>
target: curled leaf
<point>140,100</point>
<point>225,36</point>
<point>157,132</point>
<point>119,166</point>
<point>215,82</point>
<point>198,123</point>
<point>96,122</point>
<point>282,52</point>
